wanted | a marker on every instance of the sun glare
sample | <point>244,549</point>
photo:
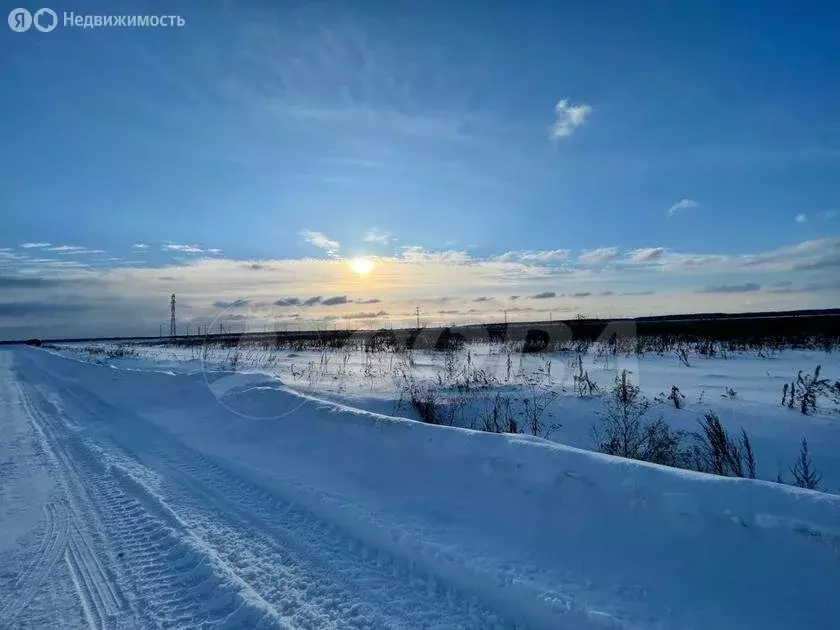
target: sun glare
<point>361,266</point>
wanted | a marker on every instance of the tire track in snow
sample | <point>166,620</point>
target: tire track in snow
<point>173,585</point>
<point>48,554</point>
<point>310,570</point>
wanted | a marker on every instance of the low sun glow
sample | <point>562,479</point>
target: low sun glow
<point>361,266</point>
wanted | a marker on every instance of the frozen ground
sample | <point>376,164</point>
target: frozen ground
<point>743,388</point>
<point>159,492</point>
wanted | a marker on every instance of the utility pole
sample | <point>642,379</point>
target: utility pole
<point>417,313</point>
<point>172,317</point>
<point>505,317</point>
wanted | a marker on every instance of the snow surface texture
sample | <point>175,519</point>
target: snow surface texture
<point>130,498</point>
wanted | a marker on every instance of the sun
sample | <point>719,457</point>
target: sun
<point>361,266</point>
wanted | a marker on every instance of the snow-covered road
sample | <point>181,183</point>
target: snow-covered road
<point>179,540</point>
<point>132,499</point>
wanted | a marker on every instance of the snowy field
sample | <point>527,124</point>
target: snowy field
<point>247,488</point>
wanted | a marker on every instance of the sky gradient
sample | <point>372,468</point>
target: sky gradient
<point>604,158</point>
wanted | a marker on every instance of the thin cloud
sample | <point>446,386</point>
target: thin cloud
<point>289,301</point>
<point>801,218</point>
<point>360,315</point>
<point>581,294</point>
<point>315,299</point>
<point>35,245</point>
<point>483,298</point>
<point>747,287</point>
<point>544,295</point>
<point>335,300</point>
<point>321,241</point>
<point>415,253</point>
<point>535,256</point>
<point>568,117</point>
<point>682,204</point>
<point>186,249</point>
<point>647,254</point>
<point>234,304</point>
<point>28,282</point>
<point>66,248</point>
<point>602,254</point>
<point>375,235</point>
<point>368,301</point>
<point>140,246</point>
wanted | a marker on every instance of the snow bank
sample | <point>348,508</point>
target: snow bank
<point>549,535</point>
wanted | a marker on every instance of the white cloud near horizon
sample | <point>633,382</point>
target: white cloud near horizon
<point>568,117</point>
<point>608,283</point>
<point>681,205</point>
<point>538,256</point>
<point>381,237</point>
<point>647,254</point>
<point>188,249</point>
<point>321,241</point>
<point>602,254</point>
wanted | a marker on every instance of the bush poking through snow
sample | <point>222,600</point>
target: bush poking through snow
<point>805,391</point>
<point>623,430</point>
<point>677,397</point>
<point>583,384</point>
<point>804,473</point>
<point>718,453</point>
<point>729,393</point>
<point>682,355</point>
<point>426,403</point>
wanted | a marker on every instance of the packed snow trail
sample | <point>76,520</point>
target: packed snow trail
<point>133,499</point>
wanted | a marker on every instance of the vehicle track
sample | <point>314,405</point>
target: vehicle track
<point>49,552</point>
<point>308,571</point>
<point>144,573</point>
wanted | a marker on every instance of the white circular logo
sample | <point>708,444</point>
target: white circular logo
<point>45,20</point>
<point>20,20</point>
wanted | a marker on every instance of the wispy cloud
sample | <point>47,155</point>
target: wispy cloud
<point>375,235</point>
<point>287,301</point>
<point>335,300</point>
<point>79,251</point>
<point>140,246</point>
<point>748,287</point>
<point>801,217</point>
<point>544,295</point>
<point>681,205</point>
<point>535,256</point>
<point>415,253</point>
<point>35,245</point>
<point>186,249</point>
<point>600,255</point>
<point>647,254</point>
<point>830,214</point>
<point>66,248</point>
<point>360,315</point>
<point>319,240</point>
<point>231,304</point>
<point>568,117</point>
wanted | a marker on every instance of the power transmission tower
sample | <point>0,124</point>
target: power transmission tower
<point>417,312</point>
<point>172,317</point>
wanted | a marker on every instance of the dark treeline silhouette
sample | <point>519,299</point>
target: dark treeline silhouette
<point>809,327</point>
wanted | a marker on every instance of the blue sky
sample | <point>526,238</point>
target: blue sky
<point>658,148</point>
